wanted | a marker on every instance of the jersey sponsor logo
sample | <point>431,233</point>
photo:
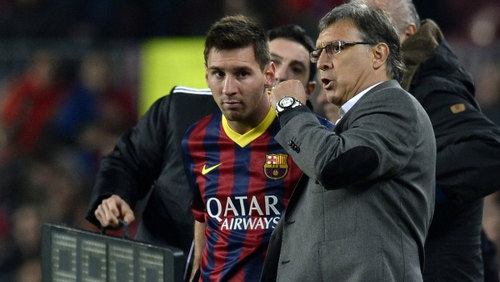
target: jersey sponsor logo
<point>244,213</point>
<point>276,166</point>
<point>256,223</point>
<point>206,169</point>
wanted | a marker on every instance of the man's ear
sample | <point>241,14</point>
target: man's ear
<point>408,32</point>
<point>380,53</point>
<point>270,73</point>
<point>310,87</point>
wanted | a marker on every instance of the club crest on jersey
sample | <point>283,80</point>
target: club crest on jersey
<point>276,166</point>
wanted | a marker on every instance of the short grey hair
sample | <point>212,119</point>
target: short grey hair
<point>375,26</point>
<point>402,12</point>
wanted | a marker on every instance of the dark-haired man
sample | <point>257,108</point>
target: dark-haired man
<point>468,147</point>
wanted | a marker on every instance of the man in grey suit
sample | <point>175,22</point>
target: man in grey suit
<point>363,211</point>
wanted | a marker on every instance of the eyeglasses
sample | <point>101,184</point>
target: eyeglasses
<point>332,48</point>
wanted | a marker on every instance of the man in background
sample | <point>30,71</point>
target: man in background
<point>290,47</point>
<point>468,146</point>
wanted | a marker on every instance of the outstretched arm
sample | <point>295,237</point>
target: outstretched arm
<point>199,242</point>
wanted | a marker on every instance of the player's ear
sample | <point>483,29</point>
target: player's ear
<point>270,73</point>
<point>206,73</point>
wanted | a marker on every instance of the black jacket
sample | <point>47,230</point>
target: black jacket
<point>468,155</point>
<point>147,158</point>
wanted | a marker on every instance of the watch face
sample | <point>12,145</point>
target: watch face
<point>286,102</point>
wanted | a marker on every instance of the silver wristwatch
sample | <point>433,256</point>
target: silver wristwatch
<point>286,103</point>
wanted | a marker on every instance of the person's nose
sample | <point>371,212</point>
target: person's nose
<point>324,61</point>
<point>229,86</point>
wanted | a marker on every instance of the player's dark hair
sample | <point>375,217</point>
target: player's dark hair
<point>232,32</point>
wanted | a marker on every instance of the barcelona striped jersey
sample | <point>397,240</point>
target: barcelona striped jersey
<point>241,185</point>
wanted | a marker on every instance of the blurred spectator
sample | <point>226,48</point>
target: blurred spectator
<point>98,108</point>
<point>484,26</point>
<point>25,235</point>
<point>488,89</point>
<point>29,104</point>
<point>30,271</point>
<point>26,231</point>
<point>491,220</point>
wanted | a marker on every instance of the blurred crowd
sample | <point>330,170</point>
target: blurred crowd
<point>54,129</point>
<point>62,107</point>
<point>141,19</point>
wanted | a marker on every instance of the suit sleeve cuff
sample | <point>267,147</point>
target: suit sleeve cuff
<point>287,115</point>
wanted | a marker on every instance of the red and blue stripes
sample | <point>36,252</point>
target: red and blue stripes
<point>239,202</point>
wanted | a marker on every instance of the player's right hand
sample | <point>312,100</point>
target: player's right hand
<point>111,210</point>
